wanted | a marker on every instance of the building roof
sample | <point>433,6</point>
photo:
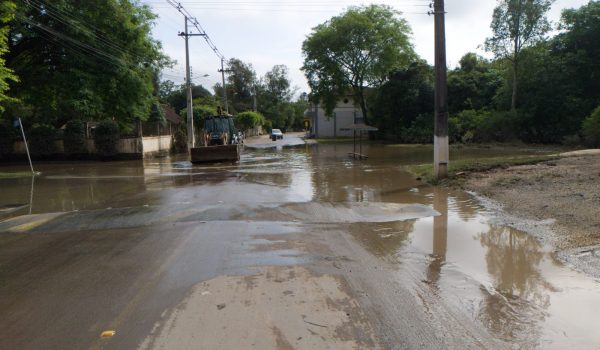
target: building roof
<point>170,114</point>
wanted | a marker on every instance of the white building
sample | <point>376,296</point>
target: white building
<point>344,115</point>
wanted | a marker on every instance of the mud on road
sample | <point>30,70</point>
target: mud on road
<point>291,248</point>
<point>557,201</point>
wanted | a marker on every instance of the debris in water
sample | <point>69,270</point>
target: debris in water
<point>107,334</point>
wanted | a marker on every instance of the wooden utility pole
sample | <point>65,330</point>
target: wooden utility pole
<point>222,71</point>
<point>440,138</point>
<point>188,87</point>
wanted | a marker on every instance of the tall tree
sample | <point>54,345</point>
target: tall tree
<point>275,95</point>
<point>517,24</point>
<point>85,60</point>
<point>7,11</point>
<point>354,51</point>
<point>241,83</point>
<point>277,83</point>
<point>399,105</point>
<point>474,84</point>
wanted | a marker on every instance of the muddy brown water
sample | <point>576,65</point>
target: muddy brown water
<point>503,279</point>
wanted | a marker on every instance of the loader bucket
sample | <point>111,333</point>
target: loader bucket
<point>214,154</point>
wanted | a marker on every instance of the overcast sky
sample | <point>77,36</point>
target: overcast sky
<point>265,33</point>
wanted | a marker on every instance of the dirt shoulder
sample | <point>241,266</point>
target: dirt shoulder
<point>564,193</point>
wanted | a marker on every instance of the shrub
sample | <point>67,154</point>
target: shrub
<point>199,112</point>
<point>571,140</point>
<point>591,129</point>
<point>497,126</point>
<point>74,137</point>
<point>41,140</point>
<point>8,135</point>
<point>463,127</point>
<point>248,120</point>
<point>420,130</point>
<point>268,125</point>
<point>106,137</point>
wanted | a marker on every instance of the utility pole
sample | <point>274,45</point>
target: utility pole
<point>440,138</point>
<point>188,86</point>
<point>222,71</point>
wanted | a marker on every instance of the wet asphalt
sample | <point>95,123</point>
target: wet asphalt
<point>93,247</point>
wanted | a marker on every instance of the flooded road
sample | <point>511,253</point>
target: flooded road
<point>359,253</point>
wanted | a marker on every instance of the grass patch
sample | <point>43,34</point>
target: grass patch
<point>15,175</point>
<point>335,140</point>
<point>459,168</point>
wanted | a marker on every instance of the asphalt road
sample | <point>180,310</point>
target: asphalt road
<point>293,248</point>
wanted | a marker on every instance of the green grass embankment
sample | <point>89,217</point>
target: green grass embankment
<point>15,175</point>
<point>458,170</point>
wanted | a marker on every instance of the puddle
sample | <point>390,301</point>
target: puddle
<point>503,278</point>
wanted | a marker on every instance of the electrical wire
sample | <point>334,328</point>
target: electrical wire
<point>69,20</point>
<point>196,24</point>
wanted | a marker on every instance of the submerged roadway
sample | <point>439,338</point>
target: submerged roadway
<point>297,248</point>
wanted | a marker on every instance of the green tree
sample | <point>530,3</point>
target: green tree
<point>560,79</point>
<point>84,59</point>
<point>474,84</point>
<point>199,113</point>
<point>248,120</point>
<point>577,49</point>
<point>7,11</point>
<point>176,96</point>
<point>406,95</point>
<point>74,137</point>
<point>355,51</point>
<point>274,94</point>
<point>591,129</point>
<point>517,24</point>
<point>277,84</point>
<point>241,85</point>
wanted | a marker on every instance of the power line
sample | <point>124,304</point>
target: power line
<point>71,21</point>
<point>197,25</point>
<point>96,52</point>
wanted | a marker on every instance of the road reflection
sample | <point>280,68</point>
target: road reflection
<point>440,236</point>
<point>502,279</point>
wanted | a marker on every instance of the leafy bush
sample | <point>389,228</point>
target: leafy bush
<point>571,140</point>
<point>248,120</point>
<point>41,140</point>
<point>8,135</point>
<point>498,126</point>
<point>180,139</point>
<point>200,112</point>
<point>420,130</point>
<point>106,137</point>
<point>268,125</point>
<point>74,137</point>
<point>464,126</point>
<point>591,129</point>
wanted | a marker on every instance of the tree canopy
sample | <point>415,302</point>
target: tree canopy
<point>354,51</point>
<point>241,84</point>
<point>517,24</point>
<point>7,10</point>
<point>87,60</point>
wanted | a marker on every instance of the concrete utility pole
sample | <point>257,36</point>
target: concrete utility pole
<point>222,71</point>
<point>440,139</point>
<point>188,86</point>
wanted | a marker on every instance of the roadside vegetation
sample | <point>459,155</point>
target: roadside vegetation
<point>92,61</point>
<point>271,97</point>
<point>538,88</point>
<point>459,169</point>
